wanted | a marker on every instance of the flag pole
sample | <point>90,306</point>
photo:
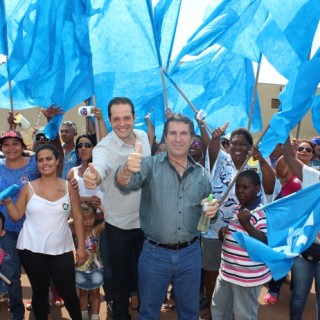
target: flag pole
<point>254,93</point>
<point>187,99</point>
<point>165,94</point>
<point>242,166</point>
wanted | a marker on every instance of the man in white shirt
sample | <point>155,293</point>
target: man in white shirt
<point>124,235</point>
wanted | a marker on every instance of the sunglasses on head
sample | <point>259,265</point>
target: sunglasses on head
<point>225,143</point>
<point>41,137</point>
<point>308,149</point>
<point>85,144</point>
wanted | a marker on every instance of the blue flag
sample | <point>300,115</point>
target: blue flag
<point>291,228</point>
<point>286,37</point>
<point>49,50</point>
<point>296,100</point>
<point>3,29</point>
<point>315,113</point>
<point>220,82</point>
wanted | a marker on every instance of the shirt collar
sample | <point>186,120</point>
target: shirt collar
<point>120,142</point>
<point>253,204</point>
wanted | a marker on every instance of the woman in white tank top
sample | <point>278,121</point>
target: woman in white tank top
<point>45,242</point>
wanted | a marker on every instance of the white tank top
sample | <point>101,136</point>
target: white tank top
<point>46,228</point>
<point>83,191</point>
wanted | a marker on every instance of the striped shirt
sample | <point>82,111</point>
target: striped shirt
<point>236,266</point>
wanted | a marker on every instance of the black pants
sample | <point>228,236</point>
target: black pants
<point>122,244</point>
<point>39,269</point>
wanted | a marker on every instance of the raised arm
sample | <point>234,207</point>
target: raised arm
<point>17,210</point>
<point>204,133</point>
<point>214,144</point>
<point>268,178</point>
<point>290,158</point>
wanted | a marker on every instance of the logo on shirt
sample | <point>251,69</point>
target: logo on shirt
<point>25,179</point>
<point>65,206</point>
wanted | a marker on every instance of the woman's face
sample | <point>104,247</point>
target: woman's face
<point>47,162</point>
<point>304,152</point>
<point>84,148</point>
<point>196,147</point>
<point>12,149</point>
<point>239,148</point>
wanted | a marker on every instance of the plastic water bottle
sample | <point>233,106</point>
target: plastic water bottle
<point>253,165</point>
<point>204,221</point>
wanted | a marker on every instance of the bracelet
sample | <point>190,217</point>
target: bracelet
<point>123,174</point>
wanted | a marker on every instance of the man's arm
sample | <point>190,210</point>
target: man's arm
<point>132,165</point>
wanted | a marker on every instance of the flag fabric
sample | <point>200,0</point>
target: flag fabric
<point>3,29</point>
<point>286,37</point>
<point>315,113</point>
<point>49,50</point>
<point>296,100</point>
<point>220,82</point>
<point>233,24</point>
<point>291,229</point>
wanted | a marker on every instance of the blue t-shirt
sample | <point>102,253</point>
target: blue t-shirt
<point>69,161</point>
<point>20,176</point>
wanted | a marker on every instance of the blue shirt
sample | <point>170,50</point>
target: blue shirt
<point>69,161</point>
<point>170,206</point>
<point>20,176</point>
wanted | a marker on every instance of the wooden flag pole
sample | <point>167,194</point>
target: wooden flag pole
<point>187,100</point>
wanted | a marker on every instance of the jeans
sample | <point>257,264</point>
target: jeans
<point>302,274</point>
<point>122,243</point>
<point>12,270</point>
<point>231,301</point>
<point>157,268</point>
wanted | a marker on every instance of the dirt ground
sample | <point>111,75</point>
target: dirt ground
<point>280,311</point>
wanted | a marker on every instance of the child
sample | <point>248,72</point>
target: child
<point>240,280</point>
<point>89,276</point>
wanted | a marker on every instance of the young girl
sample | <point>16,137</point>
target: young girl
<point>240,280</point>
<point>89,276</point>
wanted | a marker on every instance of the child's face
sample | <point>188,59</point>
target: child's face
<point>246,191</point>
<point>88,220</point>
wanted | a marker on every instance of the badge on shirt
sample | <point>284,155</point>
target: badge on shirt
<point>65,206</point>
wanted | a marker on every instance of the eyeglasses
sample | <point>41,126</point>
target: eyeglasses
<point>196,144</point>
<point>225,143</point>
<point>41,137</point>
<point>308,149</point>
<point>86,145</point>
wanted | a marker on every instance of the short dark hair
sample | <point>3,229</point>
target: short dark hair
<point>244,132</point>
<point>69,123</point>
<point>252,175</point>
<point>48,147</point>
<point>120,100</point>
<point>178,117</point>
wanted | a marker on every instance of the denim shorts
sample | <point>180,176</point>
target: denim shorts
<point>89,280</point>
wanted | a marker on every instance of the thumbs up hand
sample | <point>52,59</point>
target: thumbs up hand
<point>220,131</point>
<point>134,160</point>
<point>91,177</point>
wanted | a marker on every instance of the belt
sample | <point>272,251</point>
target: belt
<point>172,246</point>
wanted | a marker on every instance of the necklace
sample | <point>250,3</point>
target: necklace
<point>184,167</point>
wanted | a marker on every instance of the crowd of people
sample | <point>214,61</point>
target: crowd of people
<point>120,210</point>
